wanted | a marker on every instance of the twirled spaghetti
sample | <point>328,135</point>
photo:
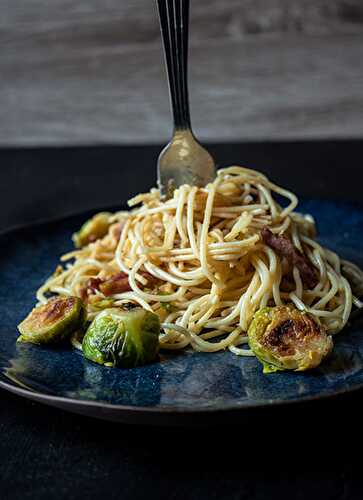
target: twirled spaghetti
<point>199,261</point>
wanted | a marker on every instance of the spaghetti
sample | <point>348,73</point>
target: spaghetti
<point>199,261</point>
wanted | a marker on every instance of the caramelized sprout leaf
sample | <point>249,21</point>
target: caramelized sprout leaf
<point>52,322</point>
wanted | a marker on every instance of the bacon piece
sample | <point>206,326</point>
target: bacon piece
<point>285,248</point>
<point>91,286</point>
<point>151,280</point>
<point>116,284</point>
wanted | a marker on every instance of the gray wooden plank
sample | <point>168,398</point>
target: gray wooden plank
<point>91,72</point>
<point>209,18</point>
<point>300,88</point>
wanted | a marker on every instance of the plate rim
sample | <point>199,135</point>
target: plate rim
<point>170,409</point>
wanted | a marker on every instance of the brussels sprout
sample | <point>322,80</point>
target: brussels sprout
<point>92,230</point>
<point>284,338</point>
<point>123,338</point>
<point>52,322</point>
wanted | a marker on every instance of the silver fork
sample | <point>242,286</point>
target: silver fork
<point>183,160</point>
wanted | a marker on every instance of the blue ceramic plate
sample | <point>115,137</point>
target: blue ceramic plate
<point>179,384</point>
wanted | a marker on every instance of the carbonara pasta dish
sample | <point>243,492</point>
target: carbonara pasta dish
<point>230,265</point>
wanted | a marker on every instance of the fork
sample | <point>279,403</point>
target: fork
<point>184,160</point>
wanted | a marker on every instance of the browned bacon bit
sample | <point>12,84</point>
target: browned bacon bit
<point>118,283</point>
<point>151,280</point>
<point>93,284</point>
<point>285,248</point>
<point>90,289</point>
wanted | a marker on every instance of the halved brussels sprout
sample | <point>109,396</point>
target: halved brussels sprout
<point>52,322</point>
<point>92,230</point>
<point>283,338</point>
<point>123,338</point>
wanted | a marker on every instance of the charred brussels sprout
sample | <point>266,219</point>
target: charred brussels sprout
<point>92,230</point>
<point>52,322</point>
<point>122,338</point>
<point>284,338</point>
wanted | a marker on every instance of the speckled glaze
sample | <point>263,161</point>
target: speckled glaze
<point>184,382</point>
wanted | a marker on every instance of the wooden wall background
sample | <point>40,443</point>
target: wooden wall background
<point>91,71</point>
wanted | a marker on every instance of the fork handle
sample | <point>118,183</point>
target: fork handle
<point>174,19</point>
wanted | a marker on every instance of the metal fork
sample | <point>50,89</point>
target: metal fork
<point>183,160</point>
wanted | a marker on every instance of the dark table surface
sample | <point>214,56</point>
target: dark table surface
<point>310,450</point>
